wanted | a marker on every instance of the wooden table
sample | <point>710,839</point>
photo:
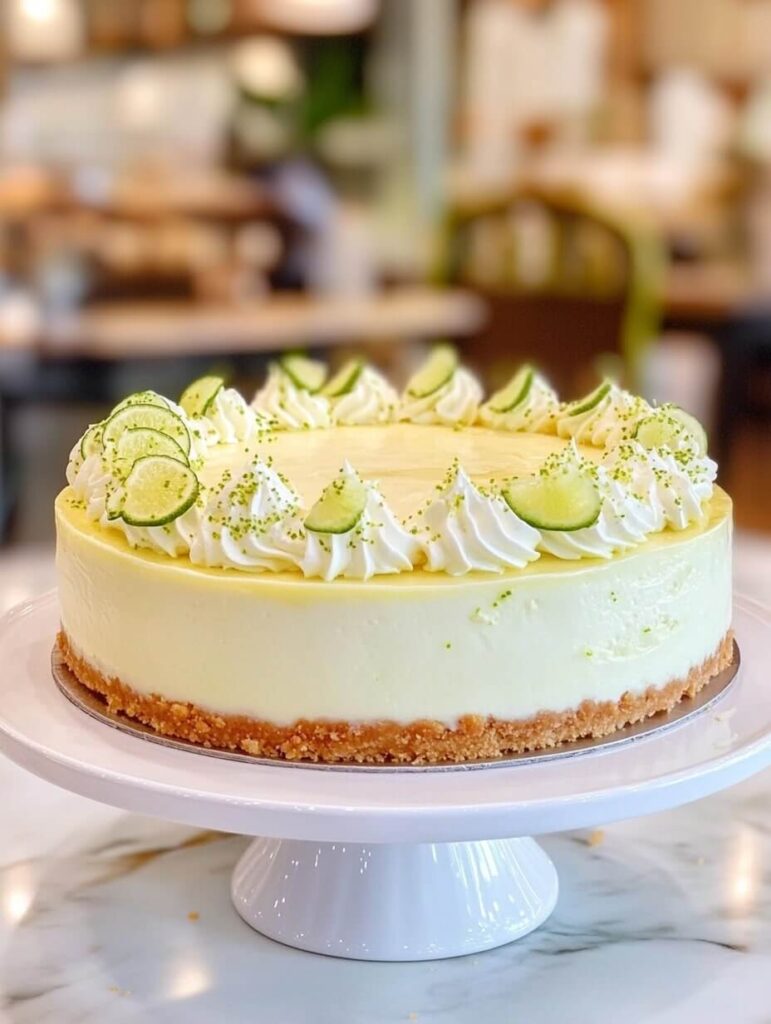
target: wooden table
<point>165,330</point>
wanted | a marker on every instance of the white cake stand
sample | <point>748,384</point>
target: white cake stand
<point>385,865</point>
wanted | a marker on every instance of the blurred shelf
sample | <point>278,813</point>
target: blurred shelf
<point>214,196</point>
<point>626,180</point>
<point>163,330</point>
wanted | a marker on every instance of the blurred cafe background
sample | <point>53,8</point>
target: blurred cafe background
<point>198,184</point>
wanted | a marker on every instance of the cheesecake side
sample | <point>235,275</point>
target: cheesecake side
<point>435,664</point>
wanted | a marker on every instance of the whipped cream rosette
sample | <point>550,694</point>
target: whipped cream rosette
<point>463,530</point>
<point>442,392</point>
<point>526,403</point>
<point>359,396</point>
<point>602,418</point>
<point>291,406</point>
<point>351,532</point>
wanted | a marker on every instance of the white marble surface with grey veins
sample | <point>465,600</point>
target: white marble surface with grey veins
<point>109,918</point>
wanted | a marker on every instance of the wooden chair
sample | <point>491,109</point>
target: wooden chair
<point>570,287</point>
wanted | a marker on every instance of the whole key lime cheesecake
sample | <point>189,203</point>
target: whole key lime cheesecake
<point>338,572</point>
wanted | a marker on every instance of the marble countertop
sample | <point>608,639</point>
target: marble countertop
<point>109,918</point>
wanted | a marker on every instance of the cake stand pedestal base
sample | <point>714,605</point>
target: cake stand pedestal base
<point>395,901</point>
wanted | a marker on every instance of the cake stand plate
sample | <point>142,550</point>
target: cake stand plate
<point>385,865</point>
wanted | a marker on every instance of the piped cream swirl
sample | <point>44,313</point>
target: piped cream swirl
<point>371,400</point>
<point>606,424</point>
<point>248,521</point>
<point>91,481</point>
<point>173,539</point>
<point>463,530</point>
<point>229,419</point>
<point>454,403</point>
<point>673,485</point>
<point>535,415</point>
<point>378,544</point>
<point>291,407</point>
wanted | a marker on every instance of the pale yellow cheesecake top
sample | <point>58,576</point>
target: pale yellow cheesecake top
<point>348,480</point>
<point>406,460</point>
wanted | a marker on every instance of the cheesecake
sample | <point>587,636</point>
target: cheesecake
<point>339,572</point>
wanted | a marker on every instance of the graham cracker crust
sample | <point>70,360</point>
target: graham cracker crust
<point>419,742</point>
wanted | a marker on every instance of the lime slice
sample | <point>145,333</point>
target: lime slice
<point>137,442</point>
<point>593,399</point>
<point>91,442</point>
<point>157,491</point>
<point>435,372</point>
<point>306,374</point>
<point>693,427</point>
<point>198,396</point>
<point>153,417</point>
<point>344,381</point>
<point>515,392</point>
<point>670,427</point>
<point>340,506</point>
<point>569,500</point>
<point>142,398</point>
